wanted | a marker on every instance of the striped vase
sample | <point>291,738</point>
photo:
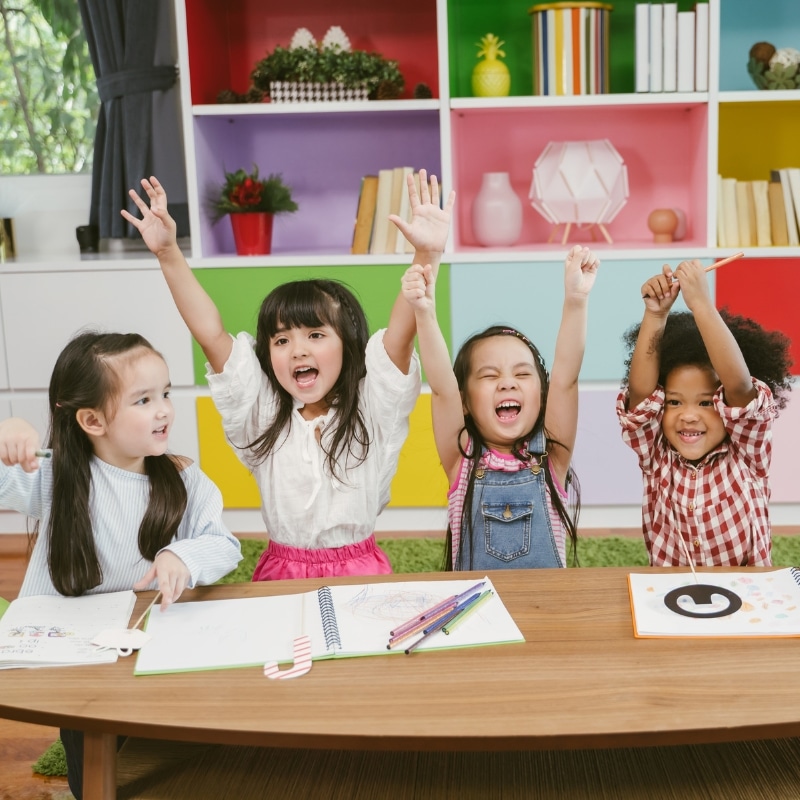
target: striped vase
<point>570,48</point>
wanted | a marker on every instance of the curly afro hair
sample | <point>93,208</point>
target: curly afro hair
<point>766,353</point>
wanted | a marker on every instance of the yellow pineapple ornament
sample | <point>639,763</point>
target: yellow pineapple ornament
<point>491,77</point>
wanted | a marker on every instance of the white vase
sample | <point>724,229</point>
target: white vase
<point>496,211</point>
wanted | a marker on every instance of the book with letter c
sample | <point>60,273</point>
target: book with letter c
<point>342,621</point>
<point>746,603</point>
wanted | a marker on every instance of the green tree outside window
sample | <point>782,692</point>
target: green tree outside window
<point>48,95</point>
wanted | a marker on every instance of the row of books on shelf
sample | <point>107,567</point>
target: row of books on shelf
<point>671,49</point>
<point>760,213</point>
<point>381,195</point>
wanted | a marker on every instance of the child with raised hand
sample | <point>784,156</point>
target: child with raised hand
<point>313,408</point>
<point>697,405</point>
<point>114,509</point>
<point>505,430</point>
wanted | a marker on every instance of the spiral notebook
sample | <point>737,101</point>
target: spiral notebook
<point>749,603</point>
<point>342,621</point>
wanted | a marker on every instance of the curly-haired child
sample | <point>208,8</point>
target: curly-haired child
<point>697,404</point>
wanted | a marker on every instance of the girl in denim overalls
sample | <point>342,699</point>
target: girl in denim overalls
<point>504,430</point>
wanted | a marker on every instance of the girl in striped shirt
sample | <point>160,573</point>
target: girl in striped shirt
<point>114,510</point>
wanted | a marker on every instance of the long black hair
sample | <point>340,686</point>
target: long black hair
<point>462,368</point>
<point>766,353</point>
<point>311,303</point>
<point>87,374</point>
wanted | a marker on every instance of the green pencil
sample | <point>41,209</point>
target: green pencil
<point>466,612</point>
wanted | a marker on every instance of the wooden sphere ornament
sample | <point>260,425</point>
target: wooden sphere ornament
<point>663,222</point>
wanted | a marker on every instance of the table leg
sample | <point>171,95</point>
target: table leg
<point>99,766</point>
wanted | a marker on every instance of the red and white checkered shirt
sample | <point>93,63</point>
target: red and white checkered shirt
<point>718,506</point>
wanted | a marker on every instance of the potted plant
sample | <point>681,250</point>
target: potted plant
<point>252,202</point>
<point>332,64</point>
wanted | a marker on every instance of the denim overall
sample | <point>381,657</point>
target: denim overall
<point>511,526</point>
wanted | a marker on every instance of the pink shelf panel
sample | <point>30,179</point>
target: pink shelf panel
<point>663,147</point>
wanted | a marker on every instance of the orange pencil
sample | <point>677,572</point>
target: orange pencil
<point>724,261</point>
<point>719,264</point>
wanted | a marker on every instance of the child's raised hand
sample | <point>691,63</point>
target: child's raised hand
<point>156,226</point>
<point>419,286</point>
<point>581,266</point>
<point>660,291</point>
<point>693,284</point>
<point>172,574</point>
<point>19,442</point>
<point>430,225</point>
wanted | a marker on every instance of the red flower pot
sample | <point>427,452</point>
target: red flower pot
<point>252,233</point>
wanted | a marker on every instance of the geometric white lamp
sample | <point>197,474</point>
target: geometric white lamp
<point>579,183</point>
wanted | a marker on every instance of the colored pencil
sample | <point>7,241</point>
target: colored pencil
<point>724,261</point>
<point>462,615</point>
<point>144,613</point>
<point>453,600</point>
<point>435,628</point>
<point>688,558</point>
<point>43,453</point>
<point>403,627</point>
<point>421,625</point>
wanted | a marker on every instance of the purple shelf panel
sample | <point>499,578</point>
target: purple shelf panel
<point>322,157</point>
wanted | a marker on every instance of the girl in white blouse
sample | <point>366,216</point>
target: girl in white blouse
<point>313,408</point>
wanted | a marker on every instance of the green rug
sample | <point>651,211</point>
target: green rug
<point>425,555</point>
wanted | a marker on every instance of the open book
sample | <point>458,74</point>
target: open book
<point>739,603</point>
<point>56,631</point>
<point>342,621</point>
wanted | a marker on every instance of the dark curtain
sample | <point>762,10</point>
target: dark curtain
<point>122,38</point>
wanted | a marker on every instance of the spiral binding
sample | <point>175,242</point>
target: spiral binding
<point>330,627</point>
<point>795,572</point>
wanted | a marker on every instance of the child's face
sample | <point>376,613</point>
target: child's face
<point>691,423</point>
<point>140,418</point>
<point>503,391</point>
<point>307,363</point>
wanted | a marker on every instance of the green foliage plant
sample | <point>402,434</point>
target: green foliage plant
<point>353,68</point>
<point>48,95</point>
<point>244,192</point>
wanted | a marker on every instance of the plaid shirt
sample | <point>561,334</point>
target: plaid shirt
<point>718,506</point>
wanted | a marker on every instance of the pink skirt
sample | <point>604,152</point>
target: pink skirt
<point>282,562</point>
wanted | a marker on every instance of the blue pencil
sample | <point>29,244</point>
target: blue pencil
<point>440,623</point>
<point>459,618</point>
<point>453,600</point>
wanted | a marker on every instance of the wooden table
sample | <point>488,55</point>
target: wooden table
<point>581,680</point>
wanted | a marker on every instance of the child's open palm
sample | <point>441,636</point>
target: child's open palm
<point>156,226</point>
<point>430,225</point>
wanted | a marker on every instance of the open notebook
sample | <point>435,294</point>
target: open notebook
<point>748,602</point>
<point>342,621</point>
<point>54,631</point>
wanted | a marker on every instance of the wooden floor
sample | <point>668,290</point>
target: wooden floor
<point>21,744</point>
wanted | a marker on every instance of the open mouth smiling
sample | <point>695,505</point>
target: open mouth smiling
<point>508,410</point>
<point>305,376</point>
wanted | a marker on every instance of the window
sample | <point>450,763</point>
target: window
<point>48,96</point>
